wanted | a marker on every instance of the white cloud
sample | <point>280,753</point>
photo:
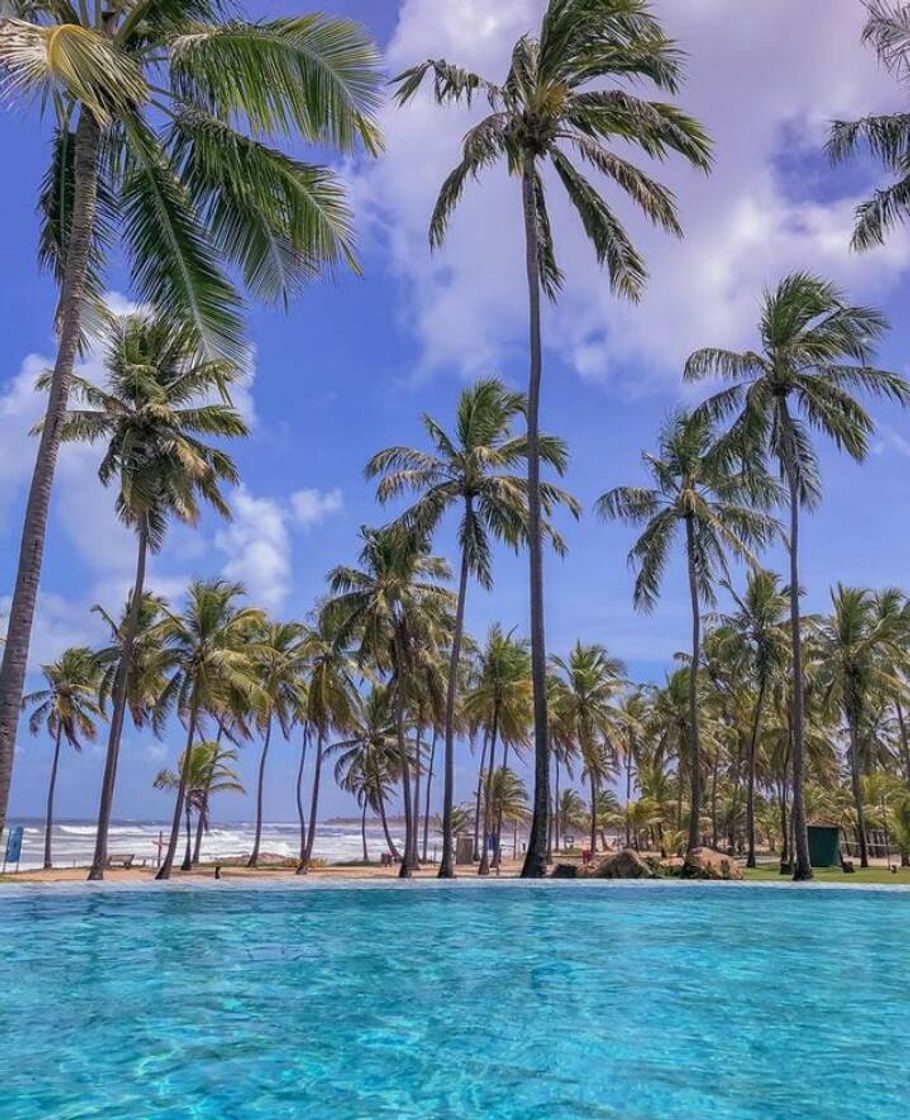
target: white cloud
<point>59,624</point>
<point>258,548</point>
<point>765,77</point>
<point>312,506</point>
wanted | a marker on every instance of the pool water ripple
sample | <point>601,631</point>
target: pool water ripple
<point>469,1003</point>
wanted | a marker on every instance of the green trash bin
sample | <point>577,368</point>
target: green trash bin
<point>824,844</point>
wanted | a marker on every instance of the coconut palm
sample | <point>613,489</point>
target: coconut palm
<point>758,627</point>
<point>331,694</point>
<point>695,491</point>
<point>366,760</point>
<point>166,123</point>
<point>67,708</point>
<point>861,644</point>
<point>392,606</point>
<point>211,650</point>
<point>885,136</point>
<point>509,798</point>
<point>815,351</point>
<point>572,812</point>
<point>152,411</point>
<point>587,686</point>
<point>208,772</point>
<point>277,665</point>
<point>566,92</point>
<point>469,470</point>
<point>499,700</point>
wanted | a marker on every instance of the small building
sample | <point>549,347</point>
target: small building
<point>824,844</point>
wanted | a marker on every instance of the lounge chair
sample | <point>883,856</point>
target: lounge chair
<point>124,861</point>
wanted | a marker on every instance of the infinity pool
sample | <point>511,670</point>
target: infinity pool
<point>500,1001</point>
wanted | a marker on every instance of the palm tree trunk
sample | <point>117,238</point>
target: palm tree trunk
<point>49,822</point>
<point>750,788</point>
<point>31,548</point>
<point>714,772</point>
<point>784,829</point>
<point>363,832</point>
<point>497,850</point>
<point>802,867</point>
<point>857,783</point>
<point>535,864</point>
<point>593,781</point>
<point>418,775</point>
<point>484,868</point>
<point>694,741</point>
<point>426,813</point>
<point>300,813</point>
<point>118,712</point>
<point>447,862</point>
<point>477,816</point>
<point>164,871</point>
<point>188,856</point>
<point>628,796</point>
<point>405,869</point>
<point>253,861</point>
<point>385,828</point>
<point>556,833</point>
<point>314,804</point>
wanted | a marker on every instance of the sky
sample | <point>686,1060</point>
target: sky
<point>355,362</point>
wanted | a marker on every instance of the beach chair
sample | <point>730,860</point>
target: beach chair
<point>118,860</point>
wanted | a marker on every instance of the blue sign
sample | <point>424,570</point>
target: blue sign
<point>13,845</point>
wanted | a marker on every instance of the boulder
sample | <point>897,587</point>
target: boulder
<point>565,871</point>
<point>705,863</point>
<point>672,865</point>
<point>627,864</point>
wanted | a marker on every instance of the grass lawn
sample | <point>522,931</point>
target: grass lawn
<point>769,873</point>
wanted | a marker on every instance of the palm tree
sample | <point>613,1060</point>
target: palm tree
<point>553,100</point>
<point>860,646</point>
<point>587,683</point>
<point>211,651</point>
<point>367,762</point>
<point>67,708</point>
<point>509,797</point>
<point>695,490</point>
<point>208,772</point>
<point>469,470</point>
<point>758,627</point>
<point>815,351</point>
<point>393,607</point>
<point>166,118</point>
<point>152,410</point>
<point>572,811</point>
<point>277,666</point>
<point>885,136</point>
<point>499,700</point>
<point>330,698</point>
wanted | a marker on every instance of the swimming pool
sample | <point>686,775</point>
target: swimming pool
<point>512,1002</point>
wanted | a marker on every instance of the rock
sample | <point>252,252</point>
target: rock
<point>565,871</point>
<point>705,863</point>
<point>672,865</point>
<point>848,866</point>
<point>626,864</point>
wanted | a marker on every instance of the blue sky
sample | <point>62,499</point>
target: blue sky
<point>356,361</point>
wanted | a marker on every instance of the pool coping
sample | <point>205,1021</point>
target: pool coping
<point>14,890</point>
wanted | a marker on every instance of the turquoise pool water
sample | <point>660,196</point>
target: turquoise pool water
<point>549,1002</point>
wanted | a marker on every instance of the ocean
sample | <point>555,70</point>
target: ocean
<point>73,841</point>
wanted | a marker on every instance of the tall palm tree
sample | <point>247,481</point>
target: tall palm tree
<point>695,491</point>
<point>277,666</point>
<point>886,136</point>
<point>566,92</point>
<point>758,627</point>
<point>67,707</point>
<point>331,694</point>
<point>152,410</point>
<point>392,606</point>
<point>208,773</point>
<point>469,470</point>
<point>815,350</point>
<point>588,683</point>
<point>211,650</point>
<point>861,644</point>
<point>166,120</point>
<point>509,798</point>
<point>499,700</point>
